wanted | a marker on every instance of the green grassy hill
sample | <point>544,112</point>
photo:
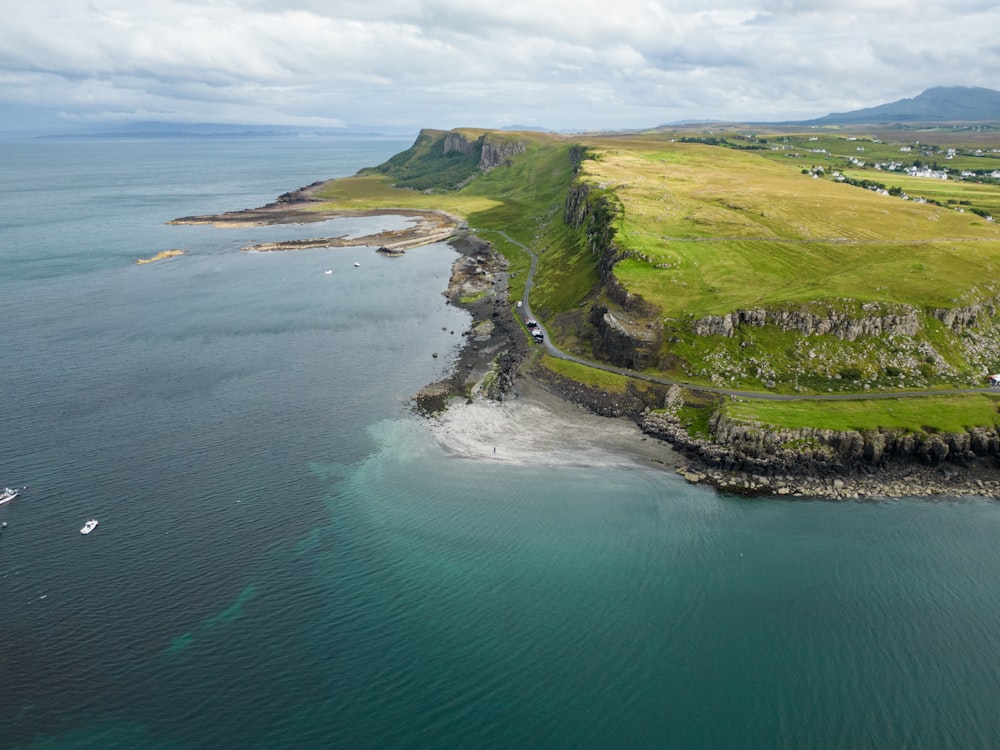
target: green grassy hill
<point>794,262</point>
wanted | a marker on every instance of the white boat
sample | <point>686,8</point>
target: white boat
<point>357,265</point>
<point>7,495</point>
<point>89,526</point>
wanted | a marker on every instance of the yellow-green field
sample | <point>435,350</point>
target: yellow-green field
<point>363,192</point>
<point>719,230</point>
<point>606,381</point>
<point>754,221</point>
<point>930,413</point>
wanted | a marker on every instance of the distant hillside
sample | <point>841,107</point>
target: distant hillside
<point>941,104</point>
<point>208,130</point>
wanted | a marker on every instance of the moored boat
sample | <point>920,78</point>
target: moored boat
<point>89,526</point>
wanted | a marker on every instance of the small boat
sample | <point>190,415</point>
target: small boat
<point>357,265</point>
<point>328,271</point>
<point>89,526</point>
<point>7,495</point>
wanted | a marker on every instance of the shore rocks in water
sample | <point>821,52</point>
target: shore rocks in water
<point>848,465</point>
<point>495,345</point>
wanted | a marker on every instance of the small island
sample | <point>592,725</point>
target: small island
<point>160,256</point>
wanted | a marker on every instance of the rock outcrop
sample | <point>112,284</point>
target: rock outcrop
<point>748,458</point>
<point>958,319</point>
<point>498,154</point>
<point>624,340</point>
<point>631,334</point>
<point>492,152</point>
<point>495,344</point>
<point>874,320</point>
<point>455,142</point>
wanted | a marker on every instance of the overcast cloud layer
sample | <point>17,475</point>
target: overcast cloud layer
<point>560,64</point>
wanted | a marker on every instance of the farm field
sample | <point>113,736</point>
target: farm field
<point>714,230</point>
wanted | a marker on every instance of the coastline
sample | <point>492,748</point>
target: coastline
<point>532,425</point>
<point>426,228</point>
<point>529,414</point>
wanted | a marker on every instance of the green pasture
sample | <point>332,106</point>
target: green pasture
<point>376,191</point>
<point>713,230</point>
<point>606,381</point>
<point>927,413</point>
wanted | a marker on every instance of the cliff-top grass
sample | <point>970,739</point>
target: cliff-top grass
<point>717,229</point>
<point>607,381</point>
<point>943,413</point>
<point>375,191</point>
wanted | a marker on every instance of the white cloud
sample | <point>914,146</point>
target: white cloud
<point>586,63</point>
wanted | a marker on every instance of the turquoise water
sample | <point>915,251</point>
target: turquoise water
<point>287,558</point>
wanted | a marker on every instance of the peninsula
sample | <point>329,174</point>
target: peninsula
<point>796,310</point>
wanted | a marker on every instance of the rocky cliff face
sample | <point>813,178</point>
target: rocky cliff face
<point>958,319</point>
<point>630,336</point>
<point>492,153</point>
<point>498,154</point>
<point>742,457</point>
<point>625,340</point>
<point>875,320</point>
<point>595,211</point>
<point>458,143</point>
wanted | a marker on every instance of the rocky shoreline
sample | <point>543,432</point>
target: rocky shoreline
<point>843,474</point>
<point>789,473</point>
<point>495,345</point>
<point>847,473</point>
<point>300,207</point>
<point>495,354</point>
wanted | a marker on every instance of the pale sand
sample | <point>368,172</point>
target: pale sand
<point>536,427</point>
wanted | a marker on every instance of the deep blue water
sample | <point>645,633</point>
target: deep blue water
<point>285,558</point>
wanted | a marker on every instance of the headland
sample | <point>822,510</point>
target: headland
<point>302,207</point>
<point>693,282</point>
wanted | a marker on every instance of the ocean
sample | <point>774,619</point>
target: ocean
<point>288,556</point>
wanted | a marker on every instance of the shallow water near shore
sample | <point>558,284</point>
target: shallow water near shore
<point>288,557</point>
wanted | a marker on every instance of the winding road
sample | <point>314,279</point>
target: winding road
<point>554,351</point>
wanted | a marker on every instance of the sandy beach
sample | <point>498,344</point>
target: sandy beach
<point>535,426</point>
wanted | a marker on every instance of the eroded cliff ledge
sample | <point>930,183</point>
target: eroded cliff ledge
<point>493,152</point>
<point>757,459</point>
<point>629,330</point>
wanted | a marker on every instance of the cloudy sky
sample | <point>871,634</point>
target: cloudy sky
<point>405,64</point>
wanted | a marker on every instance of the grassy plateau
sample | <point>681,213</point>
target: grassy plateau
<point>826,224</point>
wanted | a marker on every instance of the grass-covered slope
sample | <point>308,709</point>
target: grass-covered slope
<point>720,235</point>
<point>725,239</point>
<point>427,165</point>
<point>715,230</point>
<point>522,197</point>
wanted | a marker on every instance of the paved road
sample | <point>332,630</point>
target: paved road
<point>560,354</point>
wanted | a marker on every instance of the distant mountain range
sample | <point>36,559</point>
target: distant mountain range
<point>943,104</point>
<point>940,104</point>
